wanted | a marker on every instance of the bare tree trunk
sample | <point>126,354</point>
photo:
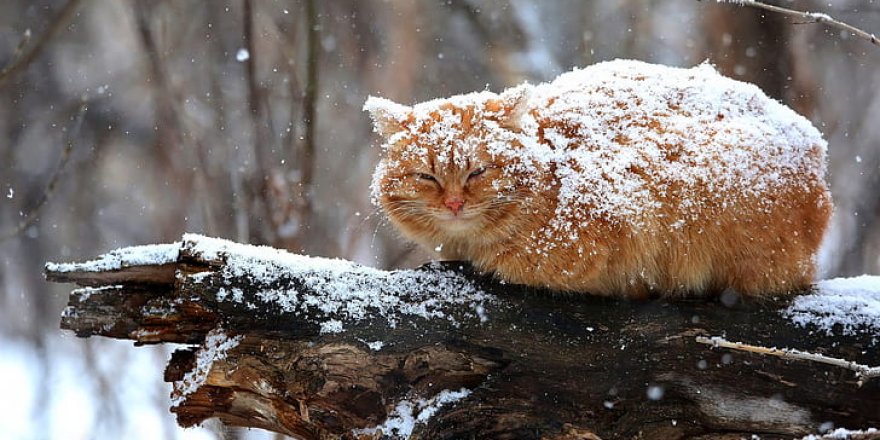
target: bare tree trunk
<point>750,45</point>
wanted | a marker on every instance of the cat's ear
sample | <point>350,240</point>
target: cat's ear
<point>515,102</point>
<point>389,117</point>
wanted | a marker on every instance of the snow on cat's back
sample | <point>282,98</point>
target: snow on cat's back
<point>623,178</point>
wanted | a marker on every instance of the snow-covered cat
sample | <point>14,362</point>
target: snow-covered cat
<point>623,178</point>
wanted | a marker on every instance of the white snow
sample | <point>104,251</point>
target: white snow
<point>125,257</point>
<point>655,392</point>
<point>819,16</point>
<point>620,136</point>
<point>72,408</point>
<point>242,55</point>
<point>17,362</point>
<point>85,292</point>
<point>331,326</point>
<point>841,434</point>
<point>375,345</point>
<point>215,348</point>
<point>406,415</point>
<point>336,288</point>
<point>339,289</point>
<point>844,305</point>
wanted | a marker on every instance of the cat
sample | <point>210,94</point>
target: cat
<point>623,179</point>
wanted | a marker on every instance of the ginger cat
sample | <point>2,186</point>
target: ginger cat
<point>623,179</point>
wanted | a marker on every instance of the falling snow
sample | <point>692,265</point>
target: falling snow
<point>242,55</point>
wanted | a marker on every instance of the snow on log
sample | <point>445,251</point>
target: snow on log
<point>318,348</point>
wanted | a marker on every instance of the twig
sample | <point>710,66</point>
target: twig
<point>863,372</point>
<point>810,17</point>
<point>20,63</point>
<point>33,215</point>
<point>25,39</point>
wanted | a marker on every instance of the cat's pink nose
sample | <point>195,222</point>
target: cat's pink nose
<point>454,205</point>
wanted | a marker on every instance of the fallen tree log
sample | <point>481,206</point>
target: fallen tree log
<point>318,349</point>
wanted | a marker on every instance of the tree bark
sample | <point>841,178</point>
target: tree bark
<point>519,363</point>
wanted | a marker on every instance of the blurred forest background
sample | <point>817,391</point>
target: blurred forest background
<point>131,122</point>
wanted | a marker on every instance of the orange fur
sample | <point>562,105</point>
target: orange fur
<point>693,239</point>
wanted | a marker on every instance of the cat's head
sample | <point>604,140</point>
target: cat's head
<point>449,169</point>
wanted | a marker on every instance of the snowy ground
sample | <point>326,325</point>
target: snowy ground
<point>72,412</point>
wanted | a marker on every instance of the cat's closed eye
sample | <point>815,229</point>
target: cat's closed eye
<point>425,177</point>
<point>476,173</point>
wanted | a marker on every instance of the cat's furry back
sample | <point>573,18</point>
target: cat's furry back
<point>623,178</point>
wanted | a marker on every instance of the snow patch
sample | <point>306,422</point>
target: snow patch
<point>339,289</point>
<point>819,16</point>
<point>406,415</point>
<point>151,254</point>
<point>845,305</point>
<point>217,345</point>
<point>331,326</point>
<point>842,434</point>
<point>84,293</point>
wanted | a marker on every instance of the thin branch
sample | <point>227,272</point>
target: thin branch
<point>33,215</point>
<point>25,39</point>
<point>165,113</point>
<point>259,137</point>
<point>21,63</point>
<point>863,372</point>
<point>809,17</point>
<point>294,90</point>
<point>309,113</point>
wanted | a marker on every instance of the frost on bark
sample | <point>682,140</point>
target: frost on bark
<point>317,349</point>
